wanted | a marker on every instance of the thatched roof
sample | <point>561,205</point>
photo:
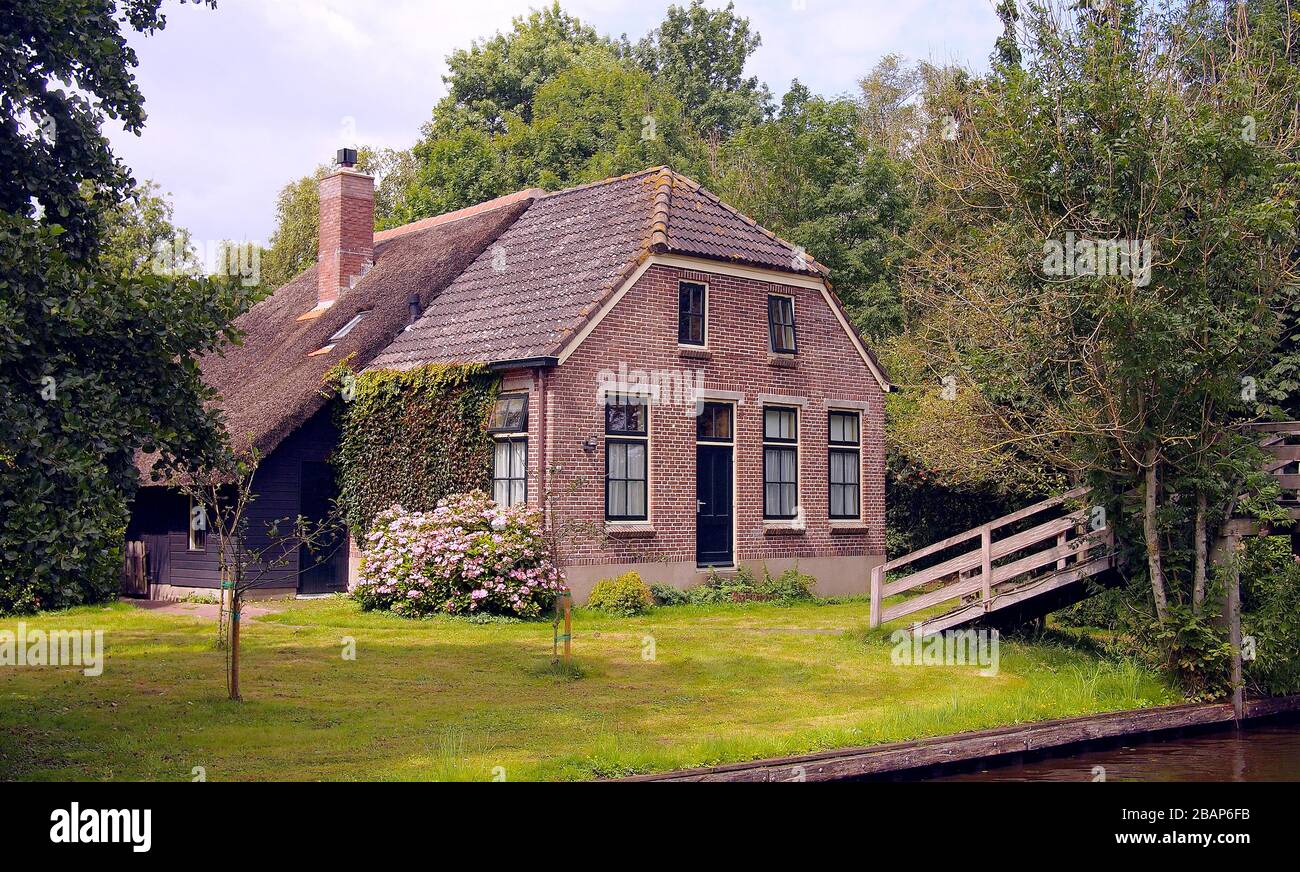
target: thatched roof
<point>272,382</point>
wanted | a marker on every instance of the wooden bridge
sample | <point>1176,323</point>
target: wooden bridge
<point>1040,558</point>
<point>1039,550</point>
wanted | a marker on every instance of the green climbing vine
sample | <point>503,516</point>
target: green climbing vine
<point>411,437</point>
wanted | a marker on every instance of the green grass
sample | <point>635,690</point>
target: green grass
<point>446,699</point>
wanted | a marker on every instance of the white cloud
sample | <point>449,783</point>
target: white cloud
<point>247,97</point>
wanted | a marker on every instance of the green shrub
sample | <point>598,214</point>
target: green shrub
<point>667,595</point>
<point>719,588</point>
<point>742,587</point>
<point>791,585</point>
<point>626,595</point>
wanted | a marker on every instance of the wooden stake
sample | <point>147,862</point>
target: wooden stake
<point>986,563</point>
<point>1233,609</point>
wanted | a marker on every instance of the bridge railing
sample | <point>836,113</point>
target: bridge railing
<point>973,572</point>
<point>1281,439</point>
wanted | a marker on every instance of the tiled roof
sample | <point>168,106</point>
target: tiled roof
<point>551,270</point>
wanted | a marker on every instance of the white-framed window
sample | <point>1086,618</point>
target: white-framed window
<point>508,424</point>
<point>844,456</point>
<point>780,462</point>
<point>510,471</point>
<point>347,328</point>
<point>627,457</point>
<point>197,524</point>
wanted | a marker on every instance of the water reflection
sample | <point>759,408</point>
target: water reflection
<point>1260,753</point>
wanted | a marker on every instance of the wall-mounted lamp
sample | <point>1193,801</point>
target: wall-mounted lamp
<point>589,444</point>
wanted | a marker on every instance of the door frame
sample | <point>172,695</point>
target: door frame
<point>734,445</point>
<point>339,558</point>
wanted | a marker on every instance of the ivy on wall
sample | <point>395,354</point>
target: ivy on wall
<point>411,437</point>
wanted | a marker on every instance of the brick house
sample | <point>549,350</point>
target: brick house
<point>677,382</point>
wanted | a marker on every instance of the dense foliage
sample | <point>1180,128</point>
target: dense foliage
<point>1038,351</point>
<point>744,586</point>
<point>626,595</point>
<point>98,359</point>
<point>468,556</point>
<point>411,438</point>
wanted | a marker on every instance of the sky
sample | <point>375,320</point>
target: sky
<point>247,97</point>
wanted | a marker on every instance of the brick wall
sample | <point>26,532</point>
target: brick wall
<point>346,238</point>
<point>641,332</point>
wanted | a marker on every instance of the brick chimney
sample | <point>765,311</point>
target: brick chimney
<point>347,228</point>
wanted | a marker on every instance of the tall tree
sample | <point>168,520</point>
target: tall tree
<point>498,77</point>
<point>809,176</point>
<point>700,55</point>
<point>94,365</point>
<point>1105,240</point>
<point>293,244</point>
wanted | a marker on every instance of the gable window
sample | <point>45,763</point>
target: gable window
<point>780,324</point>
<point>691,313</point>
<point>626,457</point>
<point>780,462</point>
<point>198,526</point>
<point>845,444</point>
<point>508,424</point>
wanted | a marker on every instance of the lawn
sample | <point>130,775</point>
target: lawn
<point>447,699</point>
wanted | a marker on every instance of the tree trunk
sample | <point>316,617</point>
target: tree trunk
<point>1152,535</point>
<point>1199,567</point>
<point>235,608</point>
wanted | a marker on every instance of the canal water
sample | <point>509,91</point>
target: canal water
<point>1265,752</point>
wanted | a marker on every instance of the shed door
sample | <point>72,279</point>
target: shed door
<point>323,570</point>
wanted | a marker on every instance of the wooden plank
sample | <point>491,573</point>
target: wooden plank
<point>868,761</point>
<point>933,598</point>
<point>986,565</point>
<point>972,559</point>
<point>1288,482</point>
<point>1037,507</point>
<point>1274,427</point>
<point>1049,583</point>
<point>1008,571</point>
<point>961,562</point>
<point>1034,535</point>
<point>932,549</point>
<point>958,538</point>
<point>1286,453</point>
<point>877,593</point>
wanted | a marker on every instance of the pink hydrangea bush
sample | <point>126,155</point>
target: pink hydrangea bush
<point>468,556</point>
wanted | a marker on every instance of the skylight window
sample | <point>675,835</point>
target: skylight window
<point>347,328</point>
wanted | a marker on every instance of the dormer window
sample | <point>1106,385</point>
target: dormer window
<point>780,324</point>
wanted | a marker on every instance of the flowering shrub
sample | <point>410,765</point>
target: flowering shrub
<point>468,556</point>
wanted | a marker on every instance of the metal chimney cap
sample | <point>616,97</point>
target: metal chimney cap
<point>346,157</point>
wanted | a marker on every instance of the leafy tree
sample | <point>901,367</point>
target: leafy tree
<point>1127,375</point>
<point>594,120</point>
<point>699,55</point>
<point>136,231</point>
<point>809,176</point>
<point>498,77</point>
<point>95,365</point>
<point>296,238</point>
